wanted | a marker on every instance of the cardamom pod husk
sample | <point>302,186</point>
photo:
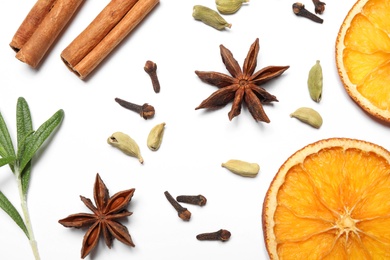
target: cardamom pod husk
<point>155,137</point>
<point>242,168</point>
<point>309,116</point>
<point>229,6</point>
<point>315,82</point>
<point>126,144</point>
<point>210,17</point>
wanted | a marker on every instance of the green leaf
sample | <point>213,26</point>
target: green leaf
<point>7,206</point>
<point>25,174</point>
<point>26,178</point>
<point>7,160</point>
<point>39,137</point>
<point>6,146</point>
<point>23,121</point>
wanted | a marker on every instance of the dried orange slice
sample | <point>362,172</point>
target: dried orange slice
<point>363,56</point>
<point>330,200</point>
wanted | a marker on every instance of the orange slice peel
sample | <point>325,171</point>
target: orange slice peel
<point>329,200</point>
<point>363,56</point>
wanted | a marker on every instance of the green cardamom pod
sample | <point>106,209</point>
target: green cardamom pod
<point>308,116</point>
<point>209,17</point>
<point>242,168</point>
<point>314,82</point>
<point>229,6</point>
<point>126,144</point>
<point>155,137</point>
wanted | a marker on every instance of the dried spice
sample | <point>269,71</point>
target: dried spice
<point>210,17</point>
<point>242,86</point>
<point>155,137</point>
<point>309,116</point>
<point>300,10</point>
<point>242,168</point>
<point>314,82</point>
<point>199,200</point>
<point>319,7</point>
<point>126,144</point>
<point>229,6</point>
<point>222,235</point>
<point>182,212</point>
<point>151,69</point>
<point>103,221</point>
<point>146,111</point>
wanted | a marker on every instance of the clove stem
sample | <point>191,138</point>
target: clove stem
<point>199,200</point>
<point>222,235</point>
<point>146,111</point>
<point>183,213</point>
<point>299,10</point>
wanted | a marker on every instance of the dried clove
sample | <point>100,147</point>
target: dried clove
<point>199,200</point>
<point>299,10</point>
<point>319,7</point>
<point>222,235</point>
<point>151,68</point>
<point>183,213</point>
<point>146,111</point>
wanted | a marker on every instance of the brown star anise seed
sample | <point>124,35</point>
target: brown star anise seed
<point>242,86</point>
<point>104,218</point>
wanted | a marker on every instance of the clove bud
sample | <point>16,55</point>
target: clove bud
<point>319,7</point>
<point>299,10</point>
<point>222,235</point>
<point>182,212</point>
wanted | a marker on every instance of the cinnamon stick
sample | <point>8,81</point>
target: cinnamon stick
<point>30,23</point>
<point>83,66</point>
<point>53,16</point>
<point>96,31</point>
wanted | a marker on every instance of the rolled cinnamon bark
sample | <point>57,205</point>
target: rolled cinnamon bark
<point>96,31</point>
<point>82,63</point>
<point>36,46</point>
<point>30,23</point>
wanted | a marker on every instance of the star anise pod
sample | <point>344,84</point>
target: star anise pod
<point>104,218</point>
<point>242,85</point>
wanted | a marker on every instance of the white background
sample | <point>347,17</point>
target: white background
<point>195,143</point>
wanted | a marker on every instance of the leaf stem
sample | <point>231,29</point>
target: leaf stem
<point>26,214</point>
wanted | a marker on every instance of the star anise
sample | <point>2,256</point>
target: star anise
<point>242,85</point>
<point>104,218</point>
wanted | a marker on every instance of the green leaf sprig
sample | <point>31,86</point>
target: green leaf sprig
<point>28,143</point>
